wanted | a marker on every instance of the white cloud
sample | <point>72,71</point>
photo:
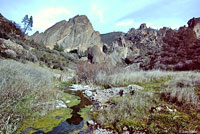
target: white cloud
<point>100,14</point>
<point>48,17</point>
<point>97,11</point>
<point>128,23</point>
<point>124,23</point>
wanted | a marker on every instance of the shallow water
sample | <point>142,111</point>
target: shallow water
<point>63,128</point>
<point>76,122</point>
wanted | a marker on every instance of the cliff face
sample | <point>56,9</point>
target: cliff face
<point>75,34</point>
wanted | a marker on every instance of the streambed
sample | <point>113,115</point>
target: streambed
<point>63,120</point>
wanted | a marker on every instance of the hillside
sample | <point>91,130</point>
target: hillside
<point>108,38</point>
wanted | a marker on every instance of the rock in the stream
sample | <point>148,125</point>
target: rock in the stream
<point>101,97</point>
<point>90,123</point>
<point>102,131</point>
<point>68,101</point>
<point>77,87</point>
<point>135,87</point>
<point>88,93</point>
<point>60,104</point>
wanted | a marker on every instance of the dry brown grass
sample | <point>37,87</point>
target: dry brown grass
<point>129,107</point>
<point>178,86</point>
<point>22,89</point>
<point>174,89</point>
<point>87,72</point>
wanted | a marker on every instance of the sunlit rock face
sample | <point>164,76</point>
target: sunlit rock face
<point>194,23</point>
<point>75,34</point>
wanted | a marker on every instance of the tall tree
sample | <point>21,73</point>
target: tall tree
<point>28,23</point>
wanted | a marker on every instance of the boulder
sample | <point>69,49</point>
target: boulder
<point>90,123</point>
<point>10,49</point>
<point>132,55</point>
<point>10,53</point>
<point>95,54</point>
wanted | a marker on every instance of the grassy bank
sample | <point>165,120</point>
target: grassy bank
<point>24,90</point>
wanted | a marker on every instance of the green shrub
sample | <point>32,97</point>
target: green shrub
<point>58,48</point>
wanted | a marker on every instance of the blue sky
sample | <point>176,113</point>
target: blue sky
<point>105,15</point>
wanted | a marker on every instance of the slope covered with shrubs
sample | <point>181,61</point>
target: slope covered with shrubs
<point>24,90</point>
<point>12,36</point>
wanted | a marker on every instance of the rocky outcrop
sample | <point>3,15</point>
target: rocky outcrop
<point>95,54</point>
<point>138,46</point>
<point>180,50</point>
<point>143,48</point>
<point>164,49</point>
<point>194,24</point>
<point>75,34</point>
<point>9,29</point>
<point>10,49</point>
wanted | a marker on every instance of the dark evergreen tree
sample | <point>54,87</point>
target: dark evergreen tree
<point>28,23</point>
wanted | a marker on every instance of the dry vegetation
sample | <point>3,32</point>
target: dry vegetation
<point>163,90</point>
<point>124,108</point>
<point>175,85</point>
<point>24,89</point>
<point>87,72</point>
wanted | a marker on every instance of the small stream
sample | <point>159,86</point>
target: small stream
<point>76,122</point>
